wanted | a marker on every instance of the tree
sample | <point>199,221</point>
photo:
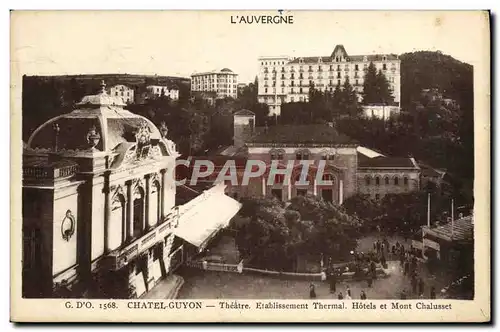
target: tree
<point>384,93</point>
<point>350,100</point>
<point>370,89</point>
<point>275,236</point>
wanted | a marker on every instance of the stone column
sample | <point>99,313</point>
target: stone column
<point>162,195</point>
<point>263,185</point>
<point>146,223</point>
<point>130,211</point>
<point>315,187</point>
<point>341,192</point>
<point>289,189</point>
<point>107,217</point>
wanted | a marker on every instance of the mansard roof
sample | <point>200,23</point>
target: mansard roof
<point>300,134</point>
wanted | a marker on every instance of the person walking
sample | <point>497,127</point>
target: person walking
<point>369,280</point>
<point>312,291</point>
<point>421,287</point>
<point>433,293</point>
<point>333,282</point>
<point>340,297</point>
<point>414,285</point>
<point>363,295</point>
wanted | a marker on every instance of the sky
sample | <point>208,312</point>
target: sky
<point>180,43</point>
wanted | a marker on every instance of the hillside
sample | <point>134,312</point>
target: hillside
<point>47,96</point>
<point>425,69</point>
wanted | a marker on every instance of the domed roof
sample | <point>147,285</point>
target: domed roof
<point>226,70</point>
<point>98,123</point>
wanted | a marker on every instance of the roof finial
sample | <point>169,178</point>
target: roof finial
<point>103,87</point>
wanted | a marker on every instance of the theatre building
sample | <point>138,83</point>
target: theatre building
<point>99,213</point>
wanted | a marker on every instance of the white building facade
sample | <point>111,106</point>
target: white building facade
<point>224,82</point>
<point>124,92</point>
<point>162,90</point>
<point>284,79</point>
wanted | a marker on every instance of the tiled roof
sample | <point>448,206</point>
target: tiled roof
<point>384,162</point>
<point>300,134</point>
<point>463,229</point>
<point>221,160</point>
<point>352,58</point>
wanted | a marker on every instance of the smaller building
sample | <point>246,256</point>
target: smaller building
<point>452,244</point>
<point>223,82</point>
<point>124,92</point>
<point>383,112</point>
<point>380,175</point>
<point>155,91</point>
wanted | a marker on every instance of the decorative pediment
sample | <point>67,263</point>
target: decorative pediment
<point>118,196</point>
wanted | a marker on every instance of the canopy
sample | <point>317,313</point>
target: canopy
<point>205,215</point>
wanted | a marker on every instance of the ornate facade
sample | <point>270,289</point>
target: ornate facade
<point>99,214</point>
<point>284,79</point>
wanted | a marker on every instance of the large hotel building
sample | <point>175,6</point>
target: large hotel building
<point>284,79</point>
<point>224,83</point>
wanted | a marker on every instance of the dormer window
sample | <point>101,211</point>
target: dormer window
<point>320,60</point>
<point>384,58</point>
<point>301,60</point>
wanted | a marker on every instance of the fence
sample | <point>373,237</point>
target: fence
<point>239,268</point>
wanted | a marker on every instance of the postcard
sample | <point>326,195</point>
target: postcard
<point>250,166</point>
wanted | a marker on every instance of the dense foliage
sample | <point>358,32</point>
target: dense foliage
<point>273,234</point>
<point>404,213</point>
<point>376,89</point>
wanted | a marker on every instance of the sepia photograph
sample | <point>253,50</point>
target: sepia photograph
<point>235,160</point>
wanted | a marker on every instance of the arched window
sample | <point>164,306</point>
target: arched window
<point>117,222</point>
<point>138,212</point>
<point>281,154</point>
<point>386,180</point>
<point>328,177</point>
<point>154,204</point>
<point>377,181</point>
<point>367,180</point>
<point>279,178</point>
<point>396,181</point>
<point>405,181</point>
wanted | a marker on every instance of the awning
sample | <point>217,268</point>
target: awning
<point>204,216</point>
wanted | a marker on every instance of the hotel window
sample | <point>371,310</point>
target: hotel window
<point>338,67</point>
<point>310,68</point>
<point>384,58</point>
<point>282,76</point>
<point>282,90</point>
<point>405,181</point>
<point>384,66</point>
<point>377,181</point>
<point>292,76</point>
<point>386,180</point>
<point>265,90</point>
<point>367,180</point>
<point>377,197</point>
<point>357,82</point>
<point>396,181</point>
<point>338,75</point>
<point>356,67</point>
<point>338,82</point>
<point>331,67</point>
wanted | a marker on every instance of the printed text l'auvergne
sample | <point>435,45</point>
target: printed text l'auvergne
<point>262,19</point>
